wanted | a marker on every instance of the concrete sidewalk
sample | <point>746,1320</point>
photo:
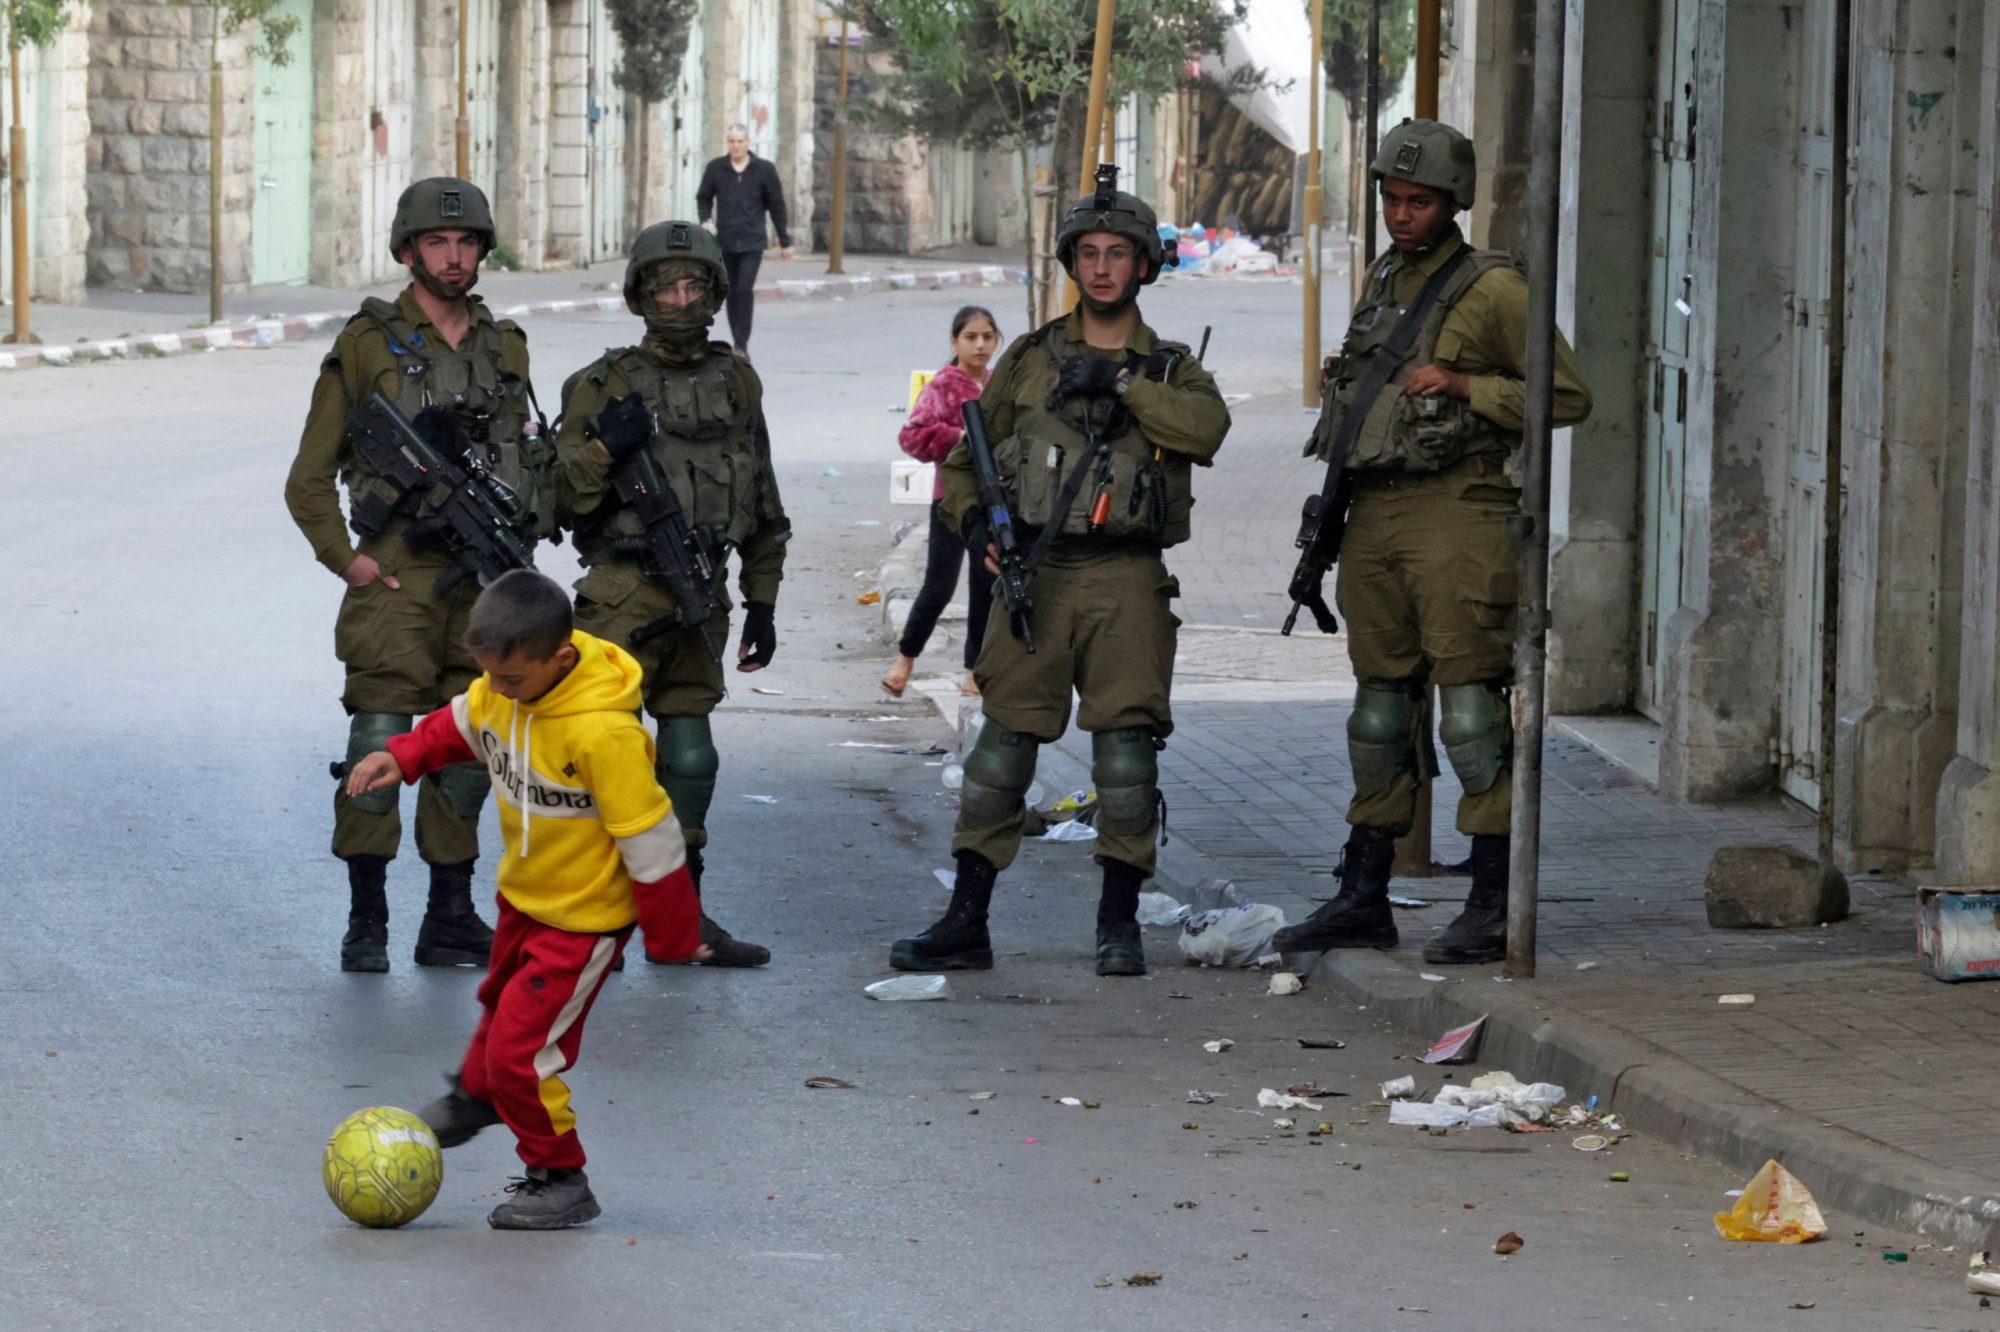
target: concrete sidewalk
<point>1872,1083</point>
<point>117,324</point>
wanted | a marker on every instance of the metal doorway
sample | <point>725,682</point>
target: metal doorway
<point>281,217</point>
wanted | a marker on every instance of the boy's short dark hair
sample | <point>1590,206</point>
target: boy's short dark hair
<point>521,611</point>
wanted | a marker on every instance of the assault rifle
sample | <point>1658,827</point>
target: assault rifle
<point>456,500</point>
<point>672,550</point>
<point>1000,523</point>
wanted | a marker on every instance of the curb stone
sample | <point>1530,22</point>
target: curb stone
<point>260,333</point>
<point>1657,1093</point>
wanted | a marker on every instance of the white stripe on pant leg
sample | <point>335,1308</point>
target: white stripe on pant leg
<point>549,1060</point>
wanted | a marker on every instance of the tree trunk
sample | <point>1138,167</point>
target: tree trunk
<point>1028,223</point>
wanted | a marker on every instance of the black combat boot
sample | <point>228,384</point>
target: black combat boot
<point>1359,915</point>
<point>546,1200</point>
<point>365,946</point>
<point>957,942</point>
<point>453,935</point>
<point>1119,949</point>
<point>1480,932</point>
<point>729,951</point>
<point>456,1117</point>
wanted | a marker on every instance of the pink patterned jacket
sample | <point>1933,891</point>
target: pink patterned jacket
<point>935,424</point>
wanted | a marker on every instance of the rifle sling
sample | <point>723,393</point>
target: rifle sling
<point>1387,358</point>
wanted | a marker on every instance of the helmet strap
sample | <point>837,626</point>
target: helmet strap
<point>1118,304</point>
<point>444,291</point>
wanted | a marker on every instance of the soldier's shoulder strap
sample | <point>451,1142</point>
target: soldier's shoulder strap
<point>393,325</point>
<point>1476,266</point>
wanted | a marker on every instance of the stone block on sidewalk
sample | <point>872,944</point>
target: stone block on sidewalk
<point>1771,888</point>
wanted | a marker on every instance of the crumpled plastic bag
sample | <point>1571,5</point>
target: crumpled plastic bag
<point>1230,936</point>
<point>1775,1207</point>
<point>1160,909</point>
<point>1443,1114</point>
<point>1519,1102</point>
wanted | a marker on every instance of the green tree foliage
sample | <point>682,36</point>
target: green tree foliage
<point>1344,52</point>
<point>274,35</point>
<point>34,22</point>
<point>653,40</point>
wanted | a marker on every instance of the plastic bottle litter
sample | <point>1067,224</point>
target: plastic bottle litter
<point>954,776</point>
<point>910,987</point>
<point>1160,909</point>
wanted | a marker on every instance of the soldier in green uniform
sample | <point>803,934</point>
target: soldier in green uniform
<point>700,410</point>
<point>1430,565</point>
<point>1097,424</point>
<point>437,346</point>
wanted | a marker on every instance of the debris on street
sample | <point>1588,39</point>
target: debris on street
<point>1144,1279</point>
<point>826,1083</point>
<point>1776,1207</point>
<point>1399,1088</point>
<point>1737,1000</point>
<point>1272,1099</point>
<point>1160,909</point>
<point>1233,936</point>
<point>1509,1243</point>
<point>1284,983</point>
<point>1197,1096</point>
<point>1074,830</point>
<point>1218,1045</point>
<point>1459,1045</point>
<point>1320,1043</point>
<point>910,987</point>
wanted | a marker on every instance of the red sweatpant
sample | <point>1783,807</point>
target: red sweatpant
<point>538,989</point>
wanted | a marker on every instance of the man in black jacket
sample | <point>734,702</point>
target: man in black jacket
<point>736,191</point>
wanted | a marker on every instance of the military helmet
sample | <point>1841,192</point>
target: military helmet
<point>441,202</point>
<point>1429,152</point>
<point>672,240</point>
<point>1110,209</point>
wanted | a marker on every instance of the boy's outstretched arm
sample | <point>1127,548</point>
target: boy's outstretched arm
<point>438,741</point>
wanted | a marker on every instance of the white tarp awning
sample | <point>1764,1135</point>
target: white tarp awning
<point>1275,37</point>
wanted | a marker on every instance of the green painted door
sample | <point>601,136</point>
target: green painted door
<point>281,219</point>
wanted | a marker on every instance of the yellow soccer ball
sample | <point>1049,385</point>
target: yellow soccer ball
<point>382,1167</point>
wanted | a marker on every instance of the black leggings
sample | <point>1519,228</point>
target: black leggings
<point>940,581</point>
<point>742,266</point>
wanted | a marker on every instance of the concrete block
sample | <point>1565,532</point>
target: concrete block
<point>1771,888</point>
<point>124,85</point>
<point>152,53</point>
<point>186,120</point>
<point>177,86</point>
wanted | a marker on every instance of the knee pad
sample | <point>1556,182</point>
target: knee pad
<point>1125,764</point>
<point>997,773</point>
<point>1379,743</point>
<point>366,733</point>
<point>465,786</point>
<point>686,766</point>
<point>1475,732</point>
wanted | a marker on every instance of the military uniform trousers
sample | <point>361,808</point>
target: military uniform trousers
<point>1105,630</point>
<point>405,654</point>
<point>1429,572</point>
<point>682,667</point>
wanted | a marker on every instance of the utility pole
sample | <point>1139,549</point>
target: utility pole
<point>215,164</point>
<point>1531,629</point>
<point>1093,121</point>
<point>1374,123</point>
<point>836,232</point>
<point>1310,206</point>
<point>1836,351</point>
<point>462,129</point>
<point>17,193</point>
<point>1428,52</point>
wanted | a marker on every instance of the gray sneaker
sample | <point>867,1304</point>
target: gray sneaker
<point>546,1200</point>
<point>455,1116</point>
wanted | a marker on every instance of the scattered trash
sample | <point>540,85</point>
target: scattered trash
<point>1586,966</point>
<point>1196,1096</point>
<point>1431,976</point>
<point>1105,1283</point>
<point>1490,1101</point>
<point>1310,1089</point>
<point>1591,1142</point>
<point>1737,1000</point>
<point>1956,931</point>
<point>1981,1277</point>
<point>1272,1099</point>
<point>1073,804</point>
<point>1459,1045</point>
<point>1190,1124</point>
<point>1217,1046</point>
<point>1160,909</point>
<point>1620,1177</point>
<point>1408,903</point>
<point>1144,1279</point>
<point>1887,1256</point>
<point>761,799</point>
<point>953,776</point>
<point>1399,1089</point>
<point>1805,1304</point>
<point>1778,1208</point>
<point>1075,830</point>
<point>1187,1205</point>
<point>1093,1105</point>
<point>1509,1243</point>
<point>759,689</point>
<point>910,987</point>
<point>868,744</point>
<point>1284,983</point>
<point>947,877</point>
<point>824,1083</point>
<point>1072,1101</point>
<point>1320,1043</point>
<point>982,1096</point>
<point>1269,960</point>
<point>1234,936</point>
<point>1443,1115</point>
<point>1283,1123</point>
<point>867,522</point>
<point>831,471</point>
<point>869,598</point>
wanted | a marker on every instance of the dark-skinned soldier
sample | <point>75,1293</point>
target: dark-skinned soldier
<point>1430,563</point>
<point>1096,424</point>
<point>700,410</point>
<point>435,346</point>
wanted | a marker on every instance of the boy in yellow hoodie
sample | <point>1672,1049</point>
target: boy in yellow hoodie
<point>592,846</point>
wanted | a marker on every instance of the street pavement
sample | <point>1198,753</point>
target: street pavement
<point>178,1039</point>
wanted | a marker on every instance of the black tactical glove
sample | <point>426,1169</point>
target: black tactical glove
<point>442,428</point>
<point>977,532</point>
<point>760,636</point>
<point>1088,377</point>
<point>623,427</point>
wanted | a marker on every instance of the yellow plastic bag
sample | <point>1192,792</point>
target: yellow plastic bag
<point>1775,1207</point>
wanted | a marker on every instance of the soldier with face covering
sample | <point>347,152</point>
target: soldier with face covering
<point>698,409</point>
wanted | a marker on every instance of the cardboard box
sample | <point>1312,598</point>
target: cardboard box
<point>1958,933</point>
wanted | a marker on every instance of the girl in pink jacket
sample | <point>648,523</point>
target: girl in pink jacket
<point>931,432</point>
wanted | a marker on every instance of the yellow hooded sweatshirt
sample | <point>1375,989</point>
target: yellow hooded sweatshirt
<point>581,813</point>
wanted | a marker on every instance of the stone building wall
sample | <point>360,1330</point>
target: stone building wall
<point>522,191</point>
<point>569,133</point>
<point>147,182</point>
<point>340,143</point>
<point>57,79</point>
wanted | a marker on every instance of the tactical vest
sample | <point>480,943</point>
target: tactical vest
<point>1152,489</point>
<point>704,438</point>
<point>1407,434</point>
<point>471,380</point>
